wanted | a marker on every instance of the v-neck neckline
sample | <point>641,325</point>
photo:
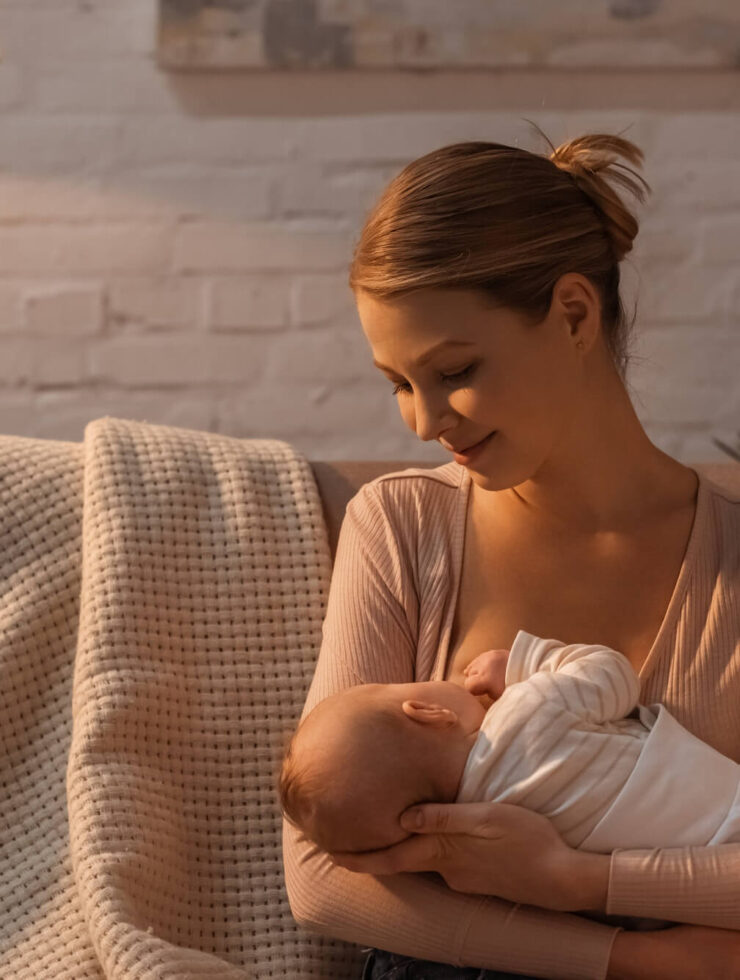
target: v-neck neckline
<point>674,603</point>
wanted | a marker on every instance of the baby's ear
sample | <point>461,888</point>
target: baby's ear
<point>428,713</point>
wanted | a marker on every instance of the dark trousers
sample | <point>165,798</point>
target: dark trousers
<point>392,966</point>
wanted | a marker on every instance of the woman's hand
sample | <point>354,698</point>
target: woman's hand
<point>492,849</point>
<point>679,953</point>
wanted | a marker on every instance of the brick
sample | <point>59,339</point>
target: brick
<point>150,361</point>
<point>110,85</point>
<point>170,195</point>
<point>73,312</point>
<point>159,302</point>
<point>27,199</point>
<point>15,360</point>
<point>246,303</point>
<point>720,241</point>
<point>315,409</point>
<point>58,144</point>
<point>10,308</point>
<point>687,294</point>
<point>148,141</point>
<point>39,249</point>
<point>693,135</point>
<point>11,86</point>
<point>686,374</point>
<point>90,32</point>
<point>195,191</point>
<point>318,299</point>
<point>399,137</point>
<point>238,360</point>
<point>697,185</point>
<point>17,412</point>
<point>332,355</point>
<point>64,414</point>
<point>312,190</point>
<point>57,363</point>
<point>214,246</point>
<point>662,242</point>
<point>156,361</point>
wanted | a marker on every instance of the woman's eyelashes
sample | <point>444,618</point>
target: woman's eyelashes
<point>454,379</point>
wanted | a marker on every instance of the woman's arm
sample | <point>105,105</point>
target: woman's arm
<point>512,852</point>
<point>418,915</point>
<point>700,885</point>
<point>369,636</point>
<point>680,953</point>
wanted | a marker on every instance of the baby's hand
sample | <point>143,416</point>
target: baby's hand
<point>486,673</point>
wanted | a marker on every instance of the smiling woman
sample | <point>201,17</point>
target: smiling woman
<point>487,285</point>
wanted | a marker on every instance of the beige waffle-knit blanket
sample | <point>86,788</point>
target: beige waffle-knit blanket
<point>161,599</point>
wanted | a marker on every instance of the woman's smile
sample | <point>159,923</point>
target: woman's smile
<point>469,454</point>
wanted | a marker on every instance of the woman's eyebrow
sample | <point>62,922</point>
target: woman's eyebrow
<point>428,354</point>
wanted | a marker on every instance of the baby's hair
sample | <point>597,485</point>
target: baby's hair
<point>312,793</point>
<point>297,786</point>
<point>507,222</point>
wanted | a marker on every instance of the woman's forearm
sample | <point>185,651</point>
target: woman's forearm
<point>418,915</point>
<point>698,885</point>
<point>587,879</point>
<point>683,952</point>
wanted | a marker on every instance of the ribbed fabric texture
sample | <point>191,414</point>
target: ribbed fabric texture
<point>557,741</point>
<point>389,618</point>
<point>161,599</point>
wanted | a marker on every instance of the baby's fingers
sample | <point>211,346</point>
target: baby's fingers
<point>476,684</point>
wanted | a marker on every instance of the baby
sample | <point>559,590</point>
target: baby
<point>564,736</point>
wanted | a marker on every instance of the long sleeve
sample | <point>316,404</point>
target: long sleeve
<point>697,676</point>
<point>700,885</point>
<point>369,635</point>
<point>593,682</point>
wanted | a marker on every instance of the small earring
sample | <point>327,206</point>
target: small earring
<point>580,345</point>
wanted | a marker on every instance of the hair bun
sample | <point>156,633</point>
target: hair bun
<point>593,161</point>
<point>587,155</point>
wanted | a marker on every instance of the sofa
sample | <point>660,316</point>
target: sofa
<point>161,599</point>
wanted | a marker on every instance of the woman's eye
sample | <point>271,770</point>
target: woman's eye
<point>453,379</point>
<point>459,375</point>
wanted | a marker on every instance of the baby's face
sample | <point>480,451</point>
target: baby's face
<point>391,767</point>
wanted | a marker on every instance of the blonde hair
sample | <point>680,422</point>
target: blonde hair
<point>508,222</point>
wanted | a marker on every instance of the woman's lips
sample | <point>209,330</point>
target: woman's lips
<point>472,451</point>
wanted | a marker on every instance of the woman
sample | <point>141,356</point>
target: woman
<point>487,284</point>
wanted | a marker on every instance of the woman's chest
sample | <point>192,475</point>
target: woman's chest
<point>614,589</point>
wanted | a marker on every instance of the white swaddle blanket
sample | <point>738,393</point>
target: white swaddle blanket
<point>568,739</point>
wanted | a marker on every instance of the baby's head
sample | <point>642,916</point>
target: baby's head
<point>363,756</point>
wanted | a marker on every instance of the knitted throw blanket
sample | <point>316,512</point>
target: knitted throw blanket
<point>161,599</point>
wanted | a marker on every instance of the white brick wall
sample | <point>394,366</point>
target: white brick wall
<point>168,256</point>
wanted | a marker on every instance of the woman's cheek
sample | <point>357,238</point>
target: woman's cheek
<point>470,403</point>
<point>407,413</point>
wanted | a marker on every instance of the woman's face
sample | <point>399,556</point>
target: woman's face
<point>502,375</point>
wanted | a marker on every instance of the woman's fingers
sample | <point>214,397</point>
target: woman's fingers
<point>457,818</point>
<point>412,854</point>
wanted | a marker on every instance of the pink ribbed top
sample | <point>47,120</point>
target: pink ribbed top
<point>389,619</point>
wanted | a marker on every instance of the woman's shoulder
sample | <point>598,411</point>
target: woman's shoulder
<point>404,489</point>
<point>411,505</point>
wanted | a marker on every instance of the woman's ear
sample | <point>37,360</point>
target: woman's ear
<point>428,713</point>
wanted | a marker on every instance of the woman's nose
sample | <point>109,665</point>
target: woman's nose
<point>431,416</point>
